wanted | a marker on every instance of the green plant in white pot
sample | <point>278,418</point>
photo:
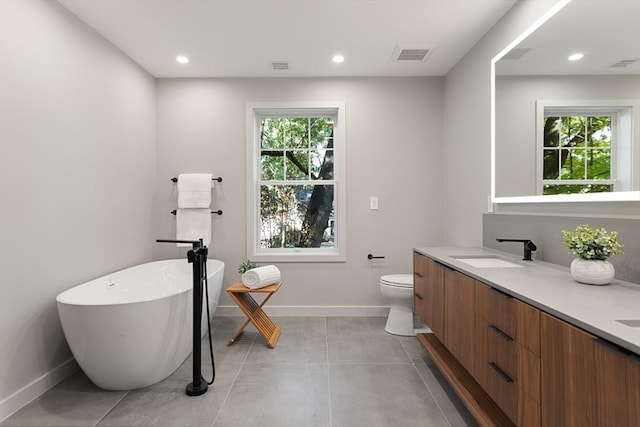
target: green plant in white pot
<point>593,247</point>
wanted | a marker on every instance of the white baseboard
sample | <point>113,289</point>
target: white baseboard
<point>232,310</point>
<point>37,387</point>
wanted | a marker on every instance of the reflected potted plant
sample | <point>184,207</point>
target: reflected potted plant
<point>593,247</point>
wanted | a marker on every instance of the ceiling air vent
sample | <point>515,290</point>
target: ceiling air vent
<point>279,65</point>
<point>516,53</point>
<point>410,53</point>
<point>623,63</point>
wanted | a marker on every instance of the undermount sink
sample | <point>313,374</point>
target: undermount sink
<point>486,261</point>
<point>634,323</point>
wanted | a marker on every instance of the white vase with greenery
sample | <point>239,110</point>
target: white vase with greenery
<point>593,246</point>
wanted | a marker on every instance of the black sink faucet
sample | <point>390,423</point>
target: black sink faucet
<point>528,247</point>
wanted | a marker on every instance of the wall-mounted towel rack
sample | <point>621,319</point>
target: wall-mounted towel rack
<point>218,212</point>
<point>218,178</point>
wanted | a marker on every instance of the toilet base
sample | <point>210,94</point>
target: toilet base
<point>400,322</point>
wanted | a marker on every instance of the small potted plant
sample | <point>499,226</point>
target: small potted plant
<point>593,246</point>
<point>245,266</point>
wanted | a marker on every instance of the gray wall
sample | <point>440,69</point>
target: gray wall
<point>467,126</point>
<point>394,151</point>
<point>546,232</point>
<point>516,98</point>
<point>77,168</point>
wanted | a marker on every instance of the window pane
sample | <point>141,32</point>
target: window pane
<point>598,164</point>
<point>321,130</point>
<point>599,131</point>
<point>322,164</point>
<point>572,164</point>
<point>296,216</point>
<point>552,126</point>
<point>271,133</point>
<point>271,166</point>
<point>297,165</point>
<point>297,133</point>
<point>573,131</point>
<point>551,164</point>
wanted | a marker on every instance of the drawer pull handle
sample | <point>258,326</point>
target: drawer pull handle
<point>418,295</point>
<point>614,347</point>
<point>504,376</point>
<point>418,274</point>
<point>499,332</point>
<point>499,292</point>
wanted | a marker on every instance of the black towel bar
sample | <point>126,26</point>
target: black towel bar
<point>218,178</point>
<point>218,212</point>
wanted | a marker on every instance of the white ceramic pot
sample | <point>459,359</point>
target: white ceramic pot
<point>592,272</point>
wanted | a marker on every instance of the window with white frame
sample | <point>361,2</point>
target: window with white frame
<point>584,146</point>
<point>296,183</point>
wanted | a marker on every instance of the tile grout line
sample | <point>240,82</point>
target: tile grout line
<point>235,378</point>
<point>432,395</point>
<point>112,408</point>
<point>326,337</point>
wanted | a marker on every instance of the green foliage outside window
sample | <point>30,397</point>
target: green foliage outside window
<point>576,148</point>
<point>296,206</point>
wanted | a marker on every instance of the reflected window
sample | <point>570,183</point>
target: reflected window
<point>580,148</point>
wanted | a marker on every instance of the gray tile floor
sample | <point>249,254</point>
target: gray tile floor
<point>324,371</point>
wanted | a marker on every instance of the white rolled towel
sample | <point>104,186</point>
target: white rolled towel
<point>260,277</point>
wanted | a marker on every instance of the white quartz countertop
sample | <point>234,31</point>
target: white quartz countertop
<point>550,288</point>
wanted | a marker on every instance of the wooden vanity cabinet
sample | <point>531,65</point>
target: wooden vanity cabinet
<point>506,330</point>
<point>460,291</point>
<point>587,381</point>
<point>428,287</point>
<point>513,364</point>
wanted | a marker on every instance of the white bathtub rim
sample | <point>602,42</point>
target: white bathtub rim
<point>64,296</point>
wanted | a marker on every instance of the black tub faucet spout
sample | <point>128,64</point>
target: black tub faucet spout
<point>529,247</point>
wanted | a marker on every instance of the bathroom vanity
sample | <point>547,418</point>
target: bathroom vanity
<point>523,344</point>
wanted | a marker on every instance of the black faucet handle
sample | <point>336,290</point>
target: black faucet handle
<point>529,247</point>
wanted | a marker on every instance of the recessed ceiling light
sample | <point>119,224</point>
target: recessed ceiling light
<point>338,59</point>
<point>182,59</point>
<point>576,56</point>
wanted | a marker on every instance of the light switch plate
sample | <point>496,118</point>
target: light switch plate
<point>373,203</point>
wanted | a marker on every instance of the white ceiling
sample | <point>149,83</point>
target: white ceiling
<point>605,31</point>
<point>239,38</point>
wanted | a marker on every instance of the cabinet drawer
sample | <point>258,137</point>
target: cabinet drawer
<point>528,327</point>
<point>498,308</point>
<point>496,367</point>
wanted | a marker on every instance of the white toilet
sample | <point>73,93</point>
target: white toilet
<point>398,291</point>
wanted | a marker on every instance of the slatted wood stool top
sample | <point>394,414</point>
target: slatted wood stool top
<point>241,295</point>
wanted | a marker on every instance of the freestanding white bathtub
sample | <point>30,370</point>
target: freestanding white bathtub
<point>133,328</point>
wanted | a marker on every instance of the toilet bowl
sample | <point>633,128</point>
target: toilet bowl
<point>397,289</point>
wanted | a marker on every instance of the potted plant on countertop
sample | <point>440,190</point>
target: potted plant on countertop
<point>593,246</point>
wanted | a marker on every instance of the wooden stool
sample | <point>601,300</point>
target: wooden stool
<point>240,294</point>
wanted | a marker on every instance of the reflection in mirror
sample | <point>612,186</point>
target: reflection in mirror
<point>589,108</point>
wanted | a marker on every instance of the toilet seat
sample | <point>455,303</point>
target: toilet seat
<point>397,280</point>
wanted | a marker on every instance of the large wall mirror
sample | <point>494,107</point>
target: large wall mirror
<point>569,126</point>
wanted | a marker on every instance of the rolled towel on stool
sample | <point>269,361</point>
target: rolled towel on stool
<point>260,277</point>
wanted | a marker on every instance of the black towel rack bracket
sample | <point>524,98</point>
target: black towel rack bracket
<point>218,178</point>
<point>218,212</point>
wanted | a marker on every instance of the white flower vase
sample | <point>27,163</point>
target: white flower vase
<point>592,271</point>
